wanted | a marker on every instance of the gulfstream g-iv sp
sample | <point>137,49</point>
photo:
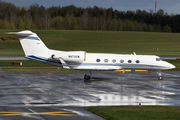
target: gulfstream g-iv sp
<point>35,49</point>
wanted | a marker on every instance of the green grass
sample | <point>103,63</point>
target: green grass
<point>174,62</point>
<point>101,42</point>
<point>30,63</point>
<point>137,113</point>
<point>39,70</point>
<point>25,63</point>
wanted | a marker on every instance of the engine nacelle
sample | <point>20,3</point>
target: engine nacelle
<point>72,56</point>
<point>55,57</point>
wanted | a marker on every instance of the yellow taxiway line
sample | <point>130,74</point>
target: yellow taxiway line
<point>128,70</point>
<point>61,113</point>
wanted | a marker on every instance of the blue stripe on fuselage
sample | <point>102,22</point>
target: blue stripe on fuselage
<point>42,59</point>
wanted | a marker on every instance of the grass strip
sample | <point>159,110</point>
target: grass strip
<point>25,63</point>
<point>137,113</point>
<point>39,70</point>
<point>122,42</point>
<point>174,62</point>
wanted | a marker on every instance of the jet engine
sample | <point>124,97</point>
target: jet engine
<point>72,56</point>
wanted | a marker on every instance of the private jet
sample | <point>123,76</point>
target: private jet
<point>36,50</point>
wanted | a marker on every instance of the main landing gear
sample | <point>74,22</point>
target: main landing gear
<point>87,76</point>
<point>159,75</point>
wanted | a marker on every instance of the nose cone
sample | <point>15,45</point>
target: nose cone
<point>170,66</point>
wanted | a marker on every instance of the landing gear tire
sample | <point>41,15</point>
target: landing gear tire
<point>160,78</point>
<point>159,75</point>
<point>88,74</point>
<point>87,77</point>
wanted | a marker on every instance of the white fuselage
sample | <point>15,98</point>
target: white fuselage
<point>109,62</point>
<point>115,62</point>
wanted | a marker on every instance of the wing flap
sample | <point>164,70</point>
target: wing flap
<point>64,63</point>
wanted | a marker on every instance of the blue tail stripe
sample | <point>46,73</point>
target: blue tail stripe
<point>32,38</point>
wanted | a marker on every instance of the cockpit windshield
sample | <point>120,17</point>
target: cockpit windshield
<point>159,59</point>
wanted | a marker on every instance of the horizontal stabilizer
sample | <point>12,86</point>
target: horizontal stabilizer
<point>25,32</point>
<point>31,43</point>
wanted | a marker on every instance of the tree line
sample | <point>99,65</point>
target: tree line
<point>90,18</point>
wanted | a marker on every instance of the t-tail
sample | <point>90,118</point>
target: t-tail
<point>31,43</point>
<point>34,48</point>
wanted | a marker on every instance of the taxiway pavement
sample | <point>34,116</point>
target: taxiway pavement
<point>47,96</point>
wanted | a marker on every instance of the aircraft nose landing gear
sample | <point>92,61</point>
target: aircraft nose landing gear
<point>160,78</point>
<point>159,75</point>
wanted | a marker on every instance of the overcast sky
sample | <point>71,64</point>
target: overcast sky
<point>169,6</point>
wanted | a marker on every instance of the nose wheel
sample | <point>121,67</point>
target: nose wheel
<point>159,75</point>
<point>160,78</point>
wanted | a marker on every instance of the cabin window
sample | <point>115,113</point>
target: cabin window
<point>98,60</point>
<point>137,61</point>
<point>129,61</point>
<point>113,60</point>
<point>121,61</point>
<point>105,60</point>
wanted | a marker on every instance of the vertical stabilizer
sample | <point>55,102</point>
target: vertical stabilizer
<point>31,43</point>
